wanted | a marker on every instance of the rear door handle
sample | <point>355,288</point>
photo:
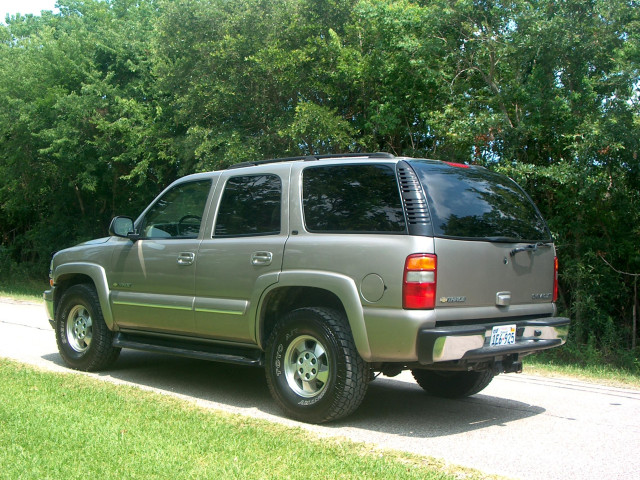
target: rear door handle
<point>186,258</point>
<point>503,299</point>
<point>261,258</point>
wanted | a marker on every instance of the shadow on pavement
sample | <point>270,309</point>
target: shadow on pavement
<point>391,406</point>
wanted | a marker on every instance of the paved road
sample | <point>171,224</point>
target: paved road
<point>521,426</point>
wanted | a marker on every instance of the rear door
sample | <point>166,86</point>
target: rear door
<point>493,247</point>
<point>243,254</point>
<point>484,274</point>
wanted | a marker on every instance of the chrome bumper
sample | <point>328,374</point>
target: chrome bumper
<point>467,342</point>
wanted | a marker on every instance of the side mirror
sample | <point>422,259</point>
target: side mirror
<point>123,227</point>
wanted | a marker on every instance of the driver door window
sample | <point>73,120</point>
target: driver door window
<point>178,213</point>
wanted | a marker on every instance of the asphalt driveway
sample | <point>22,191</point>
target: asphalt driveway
<point>521,426</point>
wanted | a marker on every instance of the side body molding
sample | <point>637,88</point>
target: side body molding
<point>99,277</point>
<point>342,287</point>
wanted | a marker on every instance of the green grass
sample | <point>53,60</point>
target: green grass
<point>31,291</point>
<point>603,373</point>
<point>72,426</point>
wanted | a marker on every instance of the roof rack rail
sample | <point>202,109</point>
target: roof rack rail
<point>310,158</point>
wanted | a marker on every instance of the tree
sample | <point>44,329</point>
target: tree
<point>108,101</point>
<point>76,122</point>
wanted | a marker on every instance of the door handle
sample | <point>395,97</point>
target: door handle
<point>261,258</point>
<point>186,258</point>
<point>503,299</point>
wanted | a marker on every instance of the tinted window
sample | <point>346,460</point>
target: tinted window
<point>478,203</point>
<point>352,198</point>
<point>250,205</point>
<point>178,213</point>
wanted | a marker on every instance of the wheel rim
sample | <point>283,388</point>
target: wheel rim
<point>79,328</point>
<point>306,366</point>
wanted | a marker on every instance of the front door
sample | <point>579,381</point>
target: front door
<point>153,284</point>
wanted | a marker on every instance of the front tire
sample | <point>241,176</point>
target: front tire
<point>313,370</point>
<point>84,341</point>
<point>452,384</point>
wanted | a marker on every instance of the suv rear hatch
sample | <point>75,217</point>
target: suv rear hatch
<point>495,256</point>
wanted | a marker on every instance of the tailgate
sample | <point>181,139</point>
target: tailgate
<point>493,247</point>
<point>483,274</point>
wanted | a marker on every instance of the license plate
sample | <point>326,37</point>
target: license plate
<point>503,335</point>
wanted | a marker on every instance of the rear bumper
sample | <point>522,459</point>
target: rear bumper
<point>471,342</point>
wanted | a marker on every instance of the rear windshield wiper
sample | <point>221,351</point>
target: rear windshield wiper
<point>502,239</point>
<point>529,248</point>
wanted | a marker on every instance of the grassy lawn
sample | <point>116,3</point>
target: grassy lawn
<point>73,426</point>
<point>603,374</point>
<point>31,292</point>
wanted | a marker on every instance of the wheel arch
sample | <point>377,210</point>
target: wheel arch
<point>313,289</point>
<point>70,274</point>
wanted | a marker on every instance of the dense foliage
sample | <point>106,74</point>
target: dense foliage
<point>106,102</point>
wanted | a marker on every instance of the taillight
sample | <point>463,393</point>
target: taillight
<point>555,279</point>
<point>419,282</point>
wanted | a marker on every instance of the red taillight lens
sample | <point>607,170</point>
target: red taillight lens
<point>419,282</point>
<point>555,279</point>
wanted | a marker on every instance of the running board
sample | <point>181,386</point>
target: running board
<point>238,356</point>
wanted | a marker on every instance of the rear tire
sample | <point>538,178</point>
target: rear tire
<point>313,369</point>
<point>452,384</point>
<point>84,341</point>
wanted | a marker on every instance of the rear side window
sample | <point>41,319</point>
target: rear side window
<point>250,205</point>
<point>352,199</point>
<point>480,204</point>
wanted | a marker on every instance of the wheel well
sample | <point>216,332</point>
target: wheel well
<point>284,300</point>
<point>66,281</point>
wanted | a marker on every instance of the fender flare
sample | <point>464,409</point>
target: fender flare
<point>342,287</point>
<point>99,278</point>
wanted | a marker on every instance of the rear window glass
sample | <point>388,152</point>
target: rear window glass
<point>478,203</point>
<point>352,199</point>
